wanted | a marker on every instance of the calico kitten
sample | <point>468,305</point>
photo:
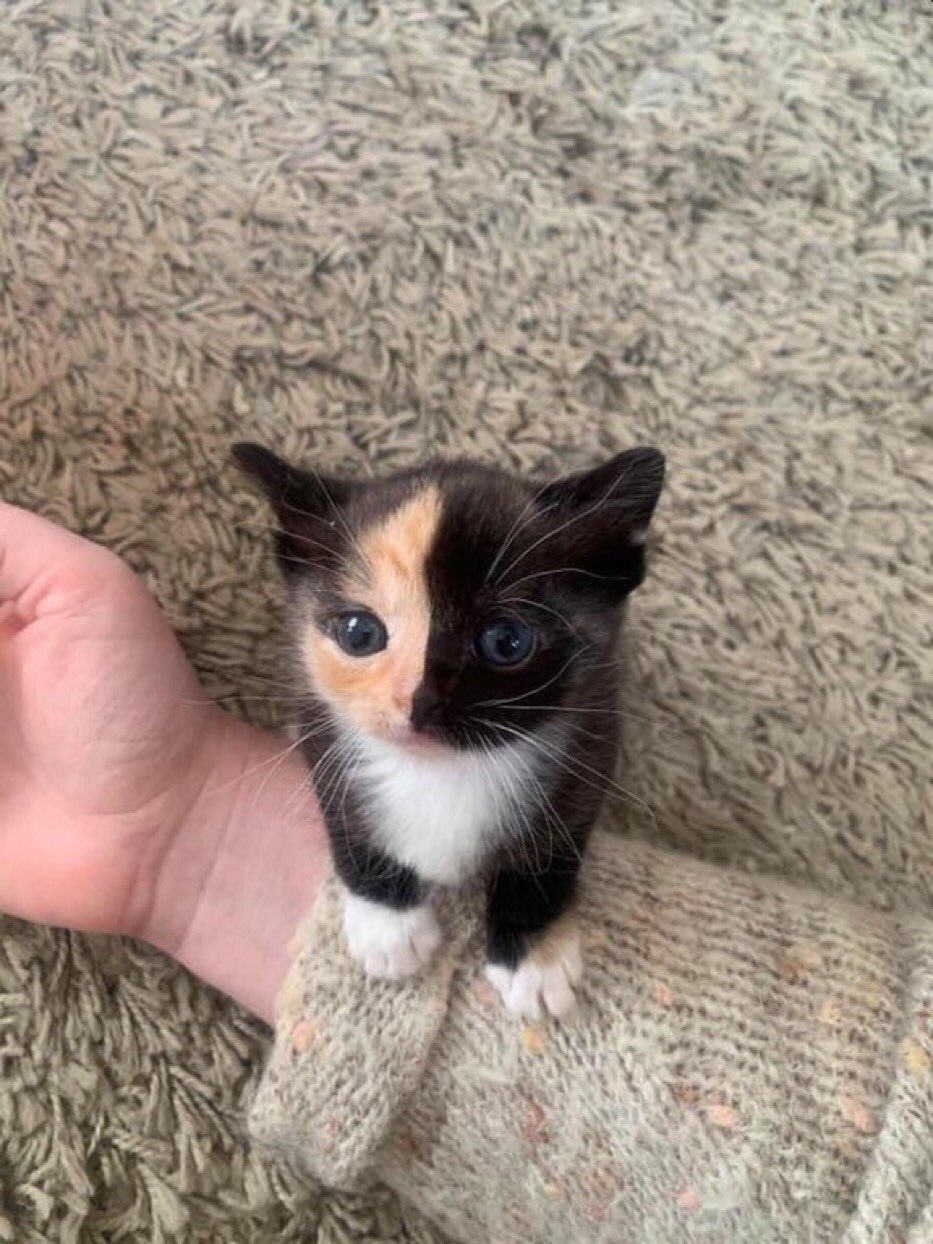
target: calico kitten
<point>456,630</point>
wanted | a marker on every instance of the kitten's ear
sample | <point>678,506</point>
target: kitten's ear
<point>630,484</point>
<point>306,504</point>
<point>289,488</point>
<point>603,516</point>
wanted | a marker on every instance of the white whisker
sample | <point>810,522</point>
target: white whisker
<point>519,808</point>
<point>576,517</point>
<point>524,516</point>
<point>275,760</point>
<point>534,691</point>
<point>569,708</point>
<point>575,767</point>
<point>536,604</point>
<point>338,515</point>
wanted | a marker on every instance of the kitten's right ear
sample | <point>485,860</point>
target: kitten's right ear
<point>288,488</point>
<point>306,504</point>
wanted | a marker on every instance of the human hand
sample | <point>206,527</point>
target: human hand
<point>128,801</point>
<point>102,730</point>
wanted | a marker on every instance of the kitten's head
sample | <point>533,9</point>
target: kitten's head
<point>456,605</point>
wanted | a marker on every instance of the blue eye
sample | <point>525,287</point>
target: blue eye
<point>505,642</point>
<point>360,633</point>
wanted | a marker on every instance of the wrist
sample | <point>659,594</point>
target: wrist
<point>238,874</point>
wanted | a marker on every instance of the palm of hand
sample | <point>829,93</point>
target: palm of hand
<point>100,719</point>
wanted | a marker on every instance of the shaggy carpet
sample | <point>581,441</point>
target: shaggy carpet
<point>533,231</point>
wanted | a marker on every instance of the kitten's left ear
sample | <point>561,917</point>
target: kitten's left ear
<point>306,504</point>
<point>603,514</point>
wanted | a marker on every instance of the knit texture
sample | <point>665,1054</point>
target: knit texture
<point>532,231</point>
<point>369,1052</point>
<point>749,1063</point>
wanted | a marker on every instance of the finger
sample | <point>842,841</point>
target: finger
<point>33,549</point>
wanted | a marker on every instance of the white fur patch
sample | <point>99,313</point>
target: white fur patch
<point>440,812</point>
<point>535,987</point>
<point>386,941</point>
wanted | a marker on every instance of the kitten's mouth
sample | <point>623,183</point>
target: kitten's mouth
<point>417,742</point>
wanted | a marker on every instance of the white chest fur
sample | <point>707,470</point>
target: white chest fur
<point>441,814</point>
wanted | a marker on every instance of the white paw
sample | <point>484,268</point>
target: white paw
<point>386,941</point>
<point>539,985</point>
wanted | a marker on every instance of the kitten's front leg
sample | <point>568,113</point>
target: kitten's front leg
<point>388,920</point>
<point>533,944</point>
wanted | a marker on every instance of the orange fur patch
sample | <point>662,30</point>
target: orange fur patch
<point>549,948</point>
<point>375,692</point>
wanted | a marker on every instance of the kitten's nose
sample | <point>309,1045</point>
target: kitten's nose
<point>426,707</point>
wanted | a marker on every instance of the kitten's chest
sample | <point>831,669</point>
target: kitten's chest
<point>443,815</point>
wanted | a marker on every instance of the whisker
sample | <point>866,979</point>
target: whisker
<point>537,604</point>
<point>522,519</point>
<point>306,563</point>
<point>318,722</point>
<point>534,691</point>
<point>297,698</point>
<point>553,822</point>
<point>587,574</point>
<point>576,517</point>
<point>561,758</point>
<point>350,752</point>
<point>292,685</point>
<point>239,524</point>
<point>555,818</point>
<point>302,739</point>
<point>343,757</point>
<point>338,516</point>
<point>346,786</point>
<point>305,788</point>
<point>327,789</point>
<point>569,708</point>
<point>550,816</point>
<point>271,529</point>
<point>526,838</point>
<point>277,758</point>
<point>326,760</point>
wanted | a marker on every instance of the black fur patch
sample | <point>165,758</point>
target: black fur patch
<point>561,558</point>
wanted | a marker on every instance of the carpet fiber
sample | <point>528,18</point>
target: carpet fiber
<point>536,232</point>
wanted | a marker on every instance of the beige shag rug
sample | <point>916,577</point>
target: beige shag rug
<point>530,231</point>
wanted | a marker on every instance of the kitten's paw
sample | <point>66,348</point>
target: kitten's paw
<point>388,942</point>
<point>544,980</point>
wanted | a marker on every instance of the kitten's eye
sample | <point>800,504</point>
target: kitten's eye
<point>505,641</point>
<point>360,633</point>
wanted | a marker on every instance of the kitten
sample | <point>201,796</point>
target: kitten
<point>456,629</point>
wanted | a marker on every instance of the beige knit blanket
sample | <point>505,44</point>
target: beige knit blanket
<point>541,229</point>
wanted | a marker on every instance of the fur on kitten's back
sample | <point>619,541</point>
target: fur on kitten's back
<point>456,633</point>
